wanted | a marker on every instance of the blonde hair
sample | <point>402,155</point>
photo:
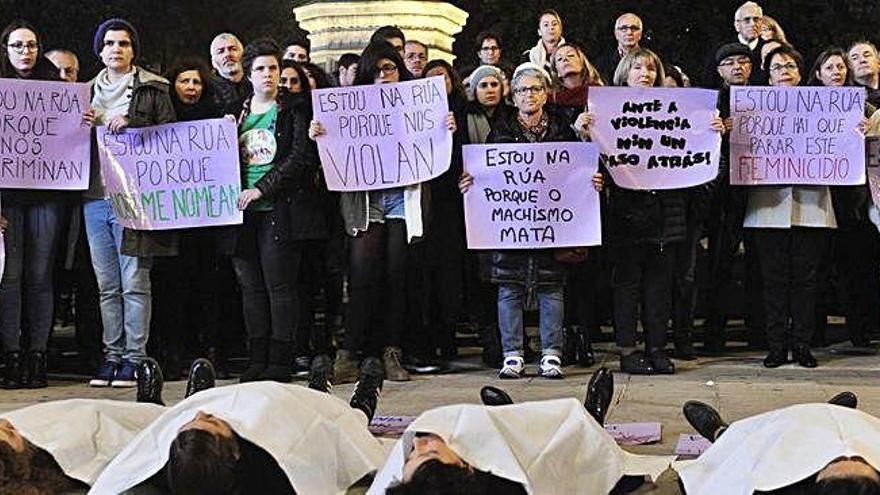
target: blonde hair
<point>771,23</point>
<point>592,76</point>
<point>622,72</point>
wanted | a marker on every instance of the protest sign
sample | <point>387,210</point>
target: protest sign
<point>383,135</point>
<point>43,144</point>
<point>656,138</point>
<point>532,196</point>
<point>872,163</point>
<point>172,176</point>
<point>797,135</point>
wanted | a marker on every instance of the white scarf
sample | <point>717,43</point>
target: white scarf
<point>111,99</point>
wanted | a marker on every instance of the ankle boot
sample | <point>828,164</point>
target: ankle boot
<point>280,355</point>
<point>12,374</point>
<point>584,346</point>
<point>201,377</point>
<point>259,353</point>
<point>150,382</point>
<point>36,374</point>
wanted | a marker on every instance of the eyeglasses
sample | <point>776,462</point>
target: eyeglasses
<point>20,47</point>
<point>626,28</point>
<point>534,90</point>
<point>730,62</point>
<point>387,69</point>
<point>490,49</point>
<point>781,67</point>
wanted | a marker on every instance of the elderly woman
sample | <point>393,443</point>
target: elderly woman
<point>35,219</point>
<point>575,74</point>
<point>517,285</point>
<point>791,232</point>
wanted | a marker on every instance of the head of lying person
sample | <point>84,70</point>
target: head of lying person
<point>204,456</point>
<point>847,475</point>
<point>27,469</point>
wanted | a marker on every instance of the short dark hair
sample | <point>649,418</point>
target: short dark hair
<point>185,63</point>
<point>322,80</point>
<point>298,41</point>
<point>263,47</point>
<point>550,12</point>
<point>300,72</point>
<point>486,35</point>
<point>385,33</point>
<point>348,59</point>
<point>787,50</point>
<point>832,51</point>
<point>200,462</point>
<point>370,57</point>
<point>32,470</point>
<point>457,87</point>
<point>857,485</point>
<point>436,478</point>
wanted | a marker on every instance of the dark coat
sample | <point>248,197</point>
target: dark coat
<point>230,96</point>
<point>647,217</point>
<point>529,267</point>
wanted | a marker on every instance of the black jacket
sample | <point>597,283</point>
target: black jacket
<point>230,96</point>
<point>530,267</point>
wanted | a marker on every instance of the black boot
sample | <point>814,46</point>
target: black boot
<point>259,353</point>
<point>201,377</point>
<point>585,355</point>
<point>368,387</point>
<point>494,396</point>
<point>845,399</point>
<point>684,344</point>
<point>491,342</point>
<point>12,374</point>
<point>321,373</point>
<point>280,355</point>
<point>704,418</point>
<point>150,382</point>
<point>36,374</point>
<point>600,390</point>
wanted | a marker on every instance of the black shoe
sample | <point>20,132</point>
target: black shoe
<point>321,374</point>
<point>368,387</point>
<point>278,367</point>
<point>201,377</point>
<point>661,363</point>
<point>419,365</point>
<point>802,355</point>
<point>494,396</point>
<point>150,382</point>
<point>12,374</point>
<point>600,390</point>
<point>776,358</point>
<point>36,375</point>
<point>258,349</point>
<point>704,418</point>
<point>845,399</point>
<point>301,365</point>
<point>584,348</point>
<point>636,364</point>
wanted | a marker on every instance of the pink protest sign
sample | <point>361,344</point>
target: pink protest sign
<point>635,433</point>
<point>872,162</point>
<point>691,444</point>
<point>390,425</point>
<point>173,176</point>
<point>532,196</point>
<point>799,135</point>
<point>656,138</point>
<point>42,142</point>
<point>383,135</point>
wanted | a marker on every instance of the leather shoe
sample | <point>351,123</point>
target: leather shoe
<point>150,382</point>
<point>845,399</point>
<point>704,418</point>
<point>636,364</point>
<point>600,390</point>
<point>776,358</point>
<point>661,363</point>
<point>494,396</point>
<point>201,376</point>
<point>804,357</point>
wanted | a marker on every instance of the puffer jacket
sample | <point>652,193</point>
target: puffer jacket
<point>530,267</point>
<point>647,217</point>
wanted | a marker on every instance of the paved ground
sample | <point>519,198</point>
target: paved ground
<point>738,385</point>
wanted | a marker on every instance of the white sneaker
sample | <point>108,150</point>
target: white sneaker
<point>551,367</point>
<point>513,367</point>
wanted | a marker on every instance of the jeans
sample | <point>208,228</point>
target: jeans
<point>266,274</point>
<point>31,245</point>
<point>551,308</point>
<point>643,273</point>
<point>123,284</point>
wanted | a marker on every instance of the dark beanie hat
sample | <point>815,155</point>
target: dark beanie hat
<point>730,50</point>
<point>116,24</point>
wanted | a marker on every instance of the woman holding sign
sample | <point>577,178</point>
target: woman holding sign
<point>381,224</point>
<point>34,222</point>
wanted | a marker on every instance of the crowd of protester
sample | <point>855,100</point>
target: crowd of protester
<point>398,256</point>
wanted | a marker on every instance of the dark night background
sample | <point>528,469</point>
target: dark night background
<point>683,32</point>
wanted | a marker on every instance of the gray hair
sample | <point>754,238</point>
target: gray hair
<point>529,69</point>
<point>748,4</point>
<point>226,36</point>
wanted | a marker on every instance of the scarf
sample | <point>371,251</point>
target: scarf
<point>478,127</point>
<point>111,99</point>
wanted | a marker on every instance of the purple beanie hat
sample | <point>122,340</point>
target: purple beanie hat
<point>116,24</point>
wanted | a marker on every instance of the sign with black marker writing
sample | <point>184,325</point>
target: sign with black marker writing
<point>383,135</point>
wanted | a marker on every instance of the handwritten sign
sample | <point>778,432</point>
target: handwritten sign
<point>635,433</point>
<point>691,444</point>
<point>42,142</point>
<point>806,135</point>
<point>532,196</point>
<point>656,138</point>
<point>390,425</point>
<point>383,135</point>
<point>173,176</point>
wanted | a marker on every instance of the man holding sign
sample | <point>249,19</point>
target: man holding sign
<point>654,143</point>
<point>379,142</point>
<point>527,207</point>
<point>43,149</point>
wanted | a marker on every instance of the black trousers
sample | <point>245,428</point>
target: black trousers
<point>725,230</point>
<point>855,256</point>
<point>265,268</point>
<point>685,281</point>
<point>789,261</point>
<point>311,338</point>
<point>377,288</point>
<point>444,254</point>
<point>643,274</point>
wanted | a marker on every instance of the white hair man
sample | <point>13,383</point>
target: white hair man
<point>230,85</point>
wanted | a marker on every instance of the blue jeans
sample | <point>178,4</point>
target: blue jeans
<point>551,307</point>
<point>123,284</point>
<point>31,245</point>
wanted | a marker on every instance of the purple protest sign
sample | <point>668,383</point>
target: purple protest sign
<point>635,433</point>
<point>532,196</point>
<point>656,138</point>
<point>797,135</point>
<point>383,135</point>
<point>43,144</point>
<point>173,176</point>
<point>872,164</point>
<point>390,425</point>
<point>691,445</point>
